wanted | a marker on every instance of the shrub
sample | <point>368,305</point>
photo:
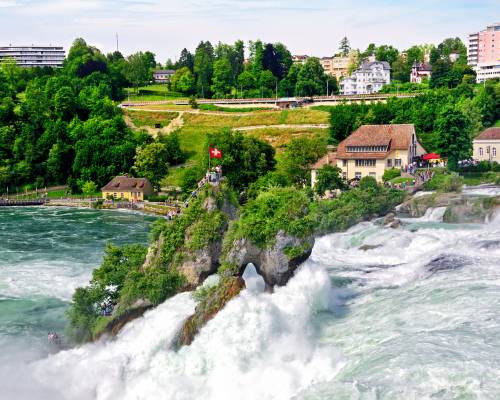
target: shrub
<point>390,174</point>
<point>368,183</point>
<point>155,284</point>
<point>278,209</point>
<point>445,183</point>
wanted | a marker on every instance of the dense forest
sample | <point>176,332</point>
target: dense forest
<point>63,126</point>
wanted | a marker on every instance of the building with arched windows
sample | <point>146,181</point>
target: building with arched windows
<point>487,145</point>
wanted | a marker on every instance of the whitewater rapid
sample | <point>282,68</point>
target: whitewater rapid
<point>413,317</point>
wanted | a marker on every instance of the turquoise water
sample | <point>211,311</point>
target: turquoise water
<point>414,317</point>
<point>45,253</point>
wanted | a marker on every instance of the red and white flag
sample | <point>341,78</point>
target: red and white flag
<point>214,152</point>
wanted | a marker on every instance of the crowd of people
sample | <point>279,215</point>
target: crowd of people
<point>213,176</point>
<point>468,163</point>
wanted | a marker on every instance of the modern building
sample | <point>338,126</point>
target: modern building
<point>420,71</point>
<point>337,66</point>
<point>372,149</point>
<point>484,52</point>
<point>486,147</point>
<point>368,78</point>
<point>124,187</point>
<point>299,59</point>
<point>34,56</point>
<point>163,75</point>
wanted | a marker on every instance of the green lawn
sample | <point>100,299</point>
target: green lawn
<point>152,93</point>
<point>497,124</point>
<point>213,107</point>
<point>401,179</point>
<point>474,179</point>
<point>142,118</point>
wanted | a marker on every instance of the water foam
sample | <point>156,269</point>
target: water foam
<point>259,346</point>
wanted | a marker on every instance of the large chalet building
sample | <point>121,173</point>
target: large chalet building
<point>372,149</point>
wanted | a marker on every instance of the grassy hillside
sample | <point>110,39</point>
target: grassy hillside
<point>277,127</point>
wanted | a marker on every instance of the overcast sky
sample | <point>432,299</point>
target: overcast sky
<point>312,27</point>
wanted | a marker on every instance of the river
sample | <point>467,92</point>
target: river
<point>45,253</point>
<point>416,316</point>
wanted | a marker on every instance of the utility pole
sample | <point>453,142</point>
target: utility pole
<point>117,47</point>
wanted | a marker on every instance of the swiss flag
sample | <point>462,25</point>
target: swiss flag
<point>215,153</point>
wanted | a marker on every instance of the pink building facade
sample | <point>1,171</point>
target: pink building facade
<point>484,52</point>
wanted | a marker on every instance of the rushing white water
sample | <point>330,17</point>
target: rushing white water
<point>414,317</point>
<point>434,214</point>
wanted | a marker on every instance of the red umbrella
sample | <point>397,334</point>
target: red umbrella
<point>431,156</point>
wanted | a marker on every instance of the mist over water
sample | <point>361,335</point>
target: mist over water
<point>413,317</point>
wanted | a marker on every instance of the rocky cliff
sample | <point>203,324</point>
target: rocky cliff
<point>460,208</point>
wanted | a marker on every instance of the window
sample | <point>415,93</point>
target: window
<point>364,149</point>
<point>480,151</point>
<point>344,175</point>
<point>397,162</point>
<point>365,163</point>
<point>357,175</point>
<point>372,174</point>
<point>389,163</point>
<point>344,163</point>
<point>494,151</point>
<point>121,195</point>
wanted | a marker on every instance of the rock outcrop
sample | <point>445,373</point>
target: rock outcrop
<point>215,300</point>
<point>197,266</point>
<point>120,319</point>
<point>277,263</point>
<point>460,208</point>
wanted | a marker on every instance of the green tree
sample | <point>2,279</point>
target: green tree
<point>328,178</point>
<point>222,78</point>
<point>89,188</point>
<point>386,53</point>
<point>84,60</point>
<point>311,79</point>
<point>244,158</point>
<point>298,156</point>
<point>138,69</point>
<point>203,68</point>
<point>151,162</point>
<point>345,47</point>
<point>454,136</point>
<point>186,60</point>
<point>183,81</point>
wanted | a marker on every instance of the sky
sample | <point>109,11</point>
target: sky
<point>313,27</point>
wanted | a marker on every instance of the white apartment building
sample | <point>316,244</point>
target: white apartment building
<point>34,56</point>
<point>368,78</point>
